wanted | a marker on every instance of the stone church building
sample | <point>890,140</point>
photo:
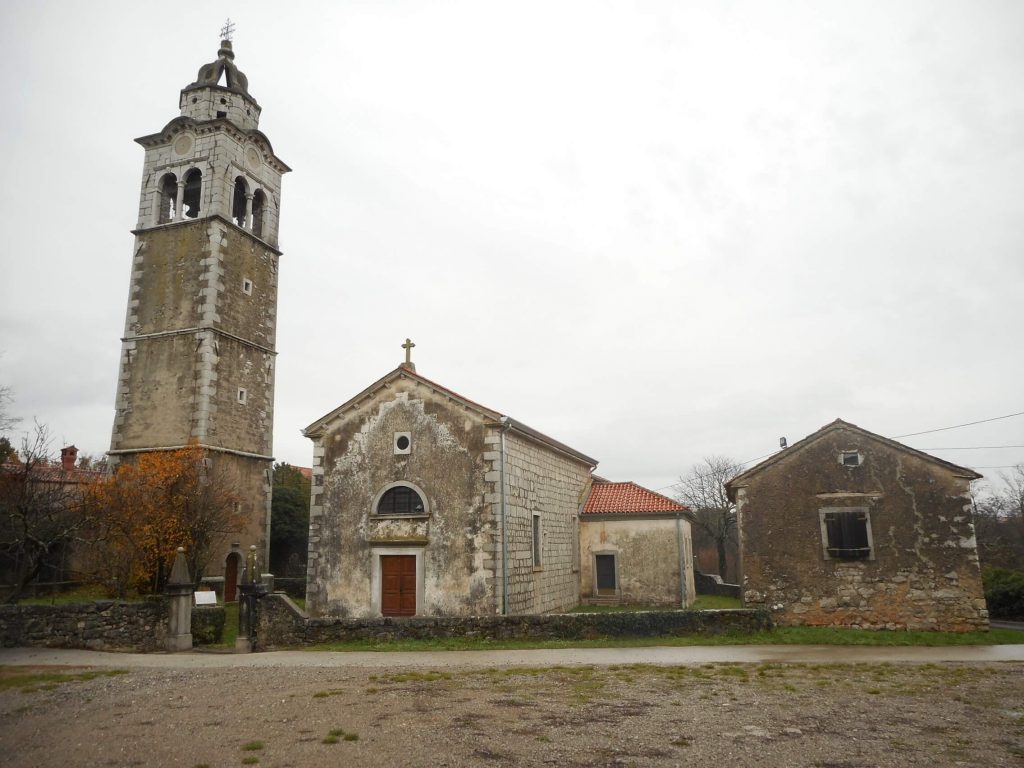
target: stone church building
<point>427,503</point>
<point>198,351</point>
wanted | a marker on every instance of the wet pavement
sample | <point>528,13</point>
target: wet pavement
<point>744,654</point>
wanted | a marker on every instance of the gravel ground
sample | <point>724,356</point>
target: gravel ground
<point>830,716</point>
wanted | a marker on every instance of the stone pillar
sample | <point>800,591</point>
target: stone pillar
<point>179,596</point>
<point>248,212</point>
<point>250,590</point>
<point>179,202</point>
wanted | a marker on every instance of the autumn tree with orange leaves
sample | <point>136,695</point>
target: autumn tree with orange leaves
<point>154,504</point>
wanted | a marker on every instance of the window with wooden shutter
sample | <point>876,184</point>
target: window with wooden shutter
<point>846,533</point>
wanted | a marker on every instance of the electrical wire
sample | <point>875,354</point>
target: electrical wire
<point>957,426</point>
<point>972,448</point>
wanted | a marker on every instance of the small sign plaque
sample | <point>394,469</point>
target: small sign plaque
<point>206,597</point>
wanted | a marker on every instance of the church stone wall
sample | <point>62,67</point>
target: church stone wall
<point>155,393</point>
<point>232,424</point>
<point>923,572</point>
<point>251,315</point>
<point>250,479</point>
<point>355,461</point>
<point>166,278</point>
<point>538,480</point>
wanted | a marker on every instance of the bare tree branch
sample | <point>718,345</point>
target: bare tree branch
<point>703,491</point>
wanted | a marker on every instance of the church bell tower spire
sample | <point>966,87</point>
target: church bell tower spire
<point>198,350</point>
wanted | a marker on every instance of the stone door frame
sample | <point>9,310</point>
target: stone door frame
<point>614,554</point>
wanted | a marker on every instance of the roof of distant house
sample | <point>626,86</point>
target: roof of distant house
<point>48,472</point>
<point>732,485</point>
<point>628,499</point>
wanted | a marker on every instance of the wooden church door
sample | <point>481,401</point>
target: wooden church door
<point>398,585</point>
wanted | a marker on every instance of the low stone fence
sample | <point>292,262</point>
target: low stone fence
<point>281,624</point>
<point>712,584</point>
<point>103,625</point>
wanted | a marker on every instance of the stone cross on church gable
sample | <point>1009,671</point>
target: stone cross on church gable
<point>408,355</point>
<point>228,30</point>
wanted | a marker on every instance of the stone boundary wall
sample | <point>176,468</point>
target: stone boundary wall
<point>712,584</point>
<point>281,624</point>
<point>104,625</point>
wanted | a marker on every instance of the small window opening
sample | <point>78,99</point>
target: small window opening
<point>194,99</point>
<point>851,459</point>
<point>221,114</point>
<point>403,443</point>
<point>258,206</point>
<point>247,286</point>
<point>223,101</point>
<point>243,395</point>
<point>193,193</point>
<point>846,534</point>
<point>168,192</point>
<point>238,201</point>
<point>400,500</point>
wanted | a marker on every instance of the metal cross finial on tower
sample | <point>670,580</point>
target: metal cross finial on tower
<point>227,30</point>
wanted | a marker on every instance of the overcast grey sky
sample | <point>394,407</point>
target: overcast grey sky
<point>652,230</point>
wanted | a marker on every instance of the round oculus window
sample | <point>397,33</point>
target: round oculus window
<point>402,442</point>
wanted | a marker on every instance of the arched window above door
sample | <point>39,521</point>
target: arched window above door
<point>400,499</point>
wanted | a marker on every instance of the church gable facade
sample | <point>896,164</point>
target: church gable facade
<point>426,503</point>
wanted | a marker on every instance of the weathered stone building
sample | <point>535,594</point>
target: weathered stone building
<point>849,528</point>
<point>197,357</point>
<point>634,544</point>
<point>427,503</point>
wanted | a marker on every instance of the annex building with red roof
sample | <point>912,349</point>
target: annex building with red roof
<point>634,543</point>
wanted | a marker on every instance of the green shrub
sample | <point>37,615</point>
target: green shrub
<point>1004,593</point>
<point>207,624</point>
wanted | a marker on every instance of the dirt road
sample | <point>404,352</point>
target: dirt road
<point>718,714</point>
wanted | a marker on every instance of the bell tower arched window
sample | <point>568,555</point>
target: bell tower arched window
<point>240,202</point>
<point>192,194</point>
<point>167,198</point>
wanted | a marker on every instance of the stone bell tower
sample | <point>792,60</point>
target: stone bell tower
<point>197,356</point>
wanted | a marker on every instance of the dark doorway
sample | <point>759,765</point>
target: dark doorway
<point>398,585</point>
<point>605,565</point>
<point>231,577</point>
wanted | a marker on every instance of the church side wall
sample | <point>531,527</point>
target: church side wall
<point>539,480</point>
<point>355,461</point>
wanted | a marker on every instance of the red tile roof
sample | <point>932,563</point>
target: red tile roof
<point>627,498</point>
